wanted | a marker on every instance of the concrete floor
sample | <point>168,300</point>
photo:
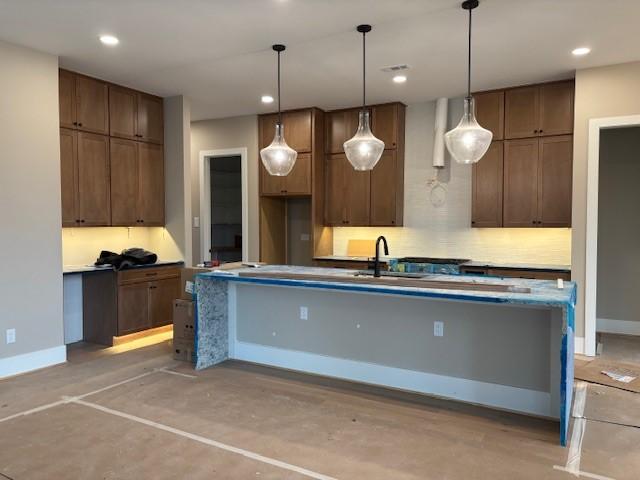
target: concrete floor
<point>161,420</point>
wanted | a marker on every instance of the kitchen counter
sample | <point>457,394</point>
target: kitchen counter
<point>69,269</point>
<point>504,349</point>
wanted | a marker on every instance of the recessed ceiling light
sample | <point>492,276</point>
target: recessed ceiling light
<point>400,78</point>
<point>109,40</point>
<point>578,52</point>
<point>267,99</point>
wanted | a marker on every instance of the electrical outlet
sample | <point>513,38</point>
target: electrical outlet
<point>304,313</point>
<point>11,335</point>
<point>438,329</point>
<point>196,222</point>
<point>305,237</point>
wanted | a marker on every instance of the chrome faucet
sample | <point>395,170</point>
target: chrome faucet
<point>376,264</point>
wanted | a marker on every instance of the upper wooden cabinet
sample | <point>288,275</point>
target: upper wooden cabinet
<point>297,129</point>
<point>110,180</point>
<point>490,112</point>
<point>487,188</point>
<point>150,119</point>
<point>529,185</point>
<point>537,182</point>
<point>84,171</point>
<point>67,99</point>
<point>539,110</point>
<point>348,199</point>
<point>373,198</point>
<point>135,115</point>
<point>92,105</point>
<point>137,183</point>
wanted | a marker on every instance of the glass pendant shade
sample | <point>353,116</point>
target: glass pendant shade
<point>363,150</point>
<point>468,142</point>
<point>278,158</point>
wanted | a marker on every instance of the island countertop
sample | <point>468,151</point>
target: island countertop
<point>542,292</point>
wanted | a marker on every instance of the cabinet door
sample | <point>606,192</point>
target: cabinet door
<point>383,190</point>
<point>133,308</point>
<point>341,126</point>
<point>335,205</point>
<point>124,182</point>
<point>298,181</point>
<point>490,112</point>
<point>555,180</point>
<point>122,112</point>
<point>297,130</point>
<point>556,108</point>
<point>384,124</point>
<point>68,176</point>
<point>357,195</point>
<point>270,184</point>
<point>487,188</point>
<point>150,184</point>
<point>267,129</point>
<point>522,112</point>
<point>92,107</point>
<point>150,124</point>
<point>520,183</point>
<point>161,296</point>
<point>93,179</point>
<point>67,98</point>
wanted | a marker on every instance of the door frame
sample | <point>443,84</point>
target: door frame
<point>205,157</point>
<point>591,257</point>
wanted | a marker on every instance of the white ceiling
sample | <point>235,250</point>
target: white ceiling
<point>217,52</point>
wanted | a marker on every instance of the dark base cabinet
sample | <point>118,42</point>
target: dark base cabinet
<point>120,303</point>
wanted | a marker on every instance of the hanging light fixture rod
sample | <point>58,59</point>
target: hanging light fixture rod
<point>469,5</point>
<point>279,48</point>
<point>364,29</point>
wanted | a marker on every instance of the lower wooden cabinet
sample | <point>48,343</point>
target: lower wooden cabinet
<point>533,274</point>
<point>120,303</point>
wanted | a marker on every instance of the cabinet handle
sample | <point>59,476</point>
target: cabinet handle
<point>141,221</point>
<point>77,220</point>
<point>152,274</point>
<point>540,131</point>
<point>81,221</point>
<point>79,124</point>
<point>75,123</point>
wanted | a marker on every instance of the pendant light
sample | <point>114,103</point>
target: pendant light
<point>363,150</point>
<point>278,158</point>
<point>468,142</point>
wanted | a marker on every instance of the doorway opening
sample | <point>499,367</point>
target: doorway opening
<point>226,209</point>
<point>224,206</point>
<point>612,280</point>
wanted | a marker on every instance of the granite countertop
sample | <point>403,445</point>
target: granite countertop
<point>543,292</point>
<point>68,269</point>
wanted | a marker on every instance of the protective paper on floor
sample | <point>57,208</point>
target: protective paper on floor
<point>593,372</point>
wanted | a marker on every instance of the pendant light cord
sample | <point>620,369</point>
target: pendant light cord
<point>364,71</point>
<point>279,112</point>
<point>469,59</point>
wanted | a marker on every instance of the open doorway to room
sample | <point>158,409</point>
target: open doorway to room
<point>618,277</point>
<point>223,205</point>
<point>612,282</point>
<point>226,209</point>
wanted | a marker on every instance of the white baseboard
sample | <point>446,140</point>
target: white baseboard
<point>578,345</point>
<point>624,327</point>
<point>494,395</point>
<point>32,361</point>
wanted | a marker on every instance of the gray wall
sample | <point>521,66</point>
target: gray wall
<point>489,343</point>
<point>30,244</point>
<point>237,132</point>
<point>177,161</point>
<point>619,225</point>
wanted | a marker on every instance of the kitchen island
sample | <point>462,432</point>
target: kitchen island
<point>503,343</point>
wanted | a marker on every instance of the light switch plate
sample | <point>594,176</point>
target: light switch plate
<point>11,335</point>
<point>196,222</point>
<point>304,313</point>
<point>305,237</point>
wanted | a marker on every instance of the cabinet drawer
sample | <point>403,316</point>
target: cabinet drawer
<point>136,275</point>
